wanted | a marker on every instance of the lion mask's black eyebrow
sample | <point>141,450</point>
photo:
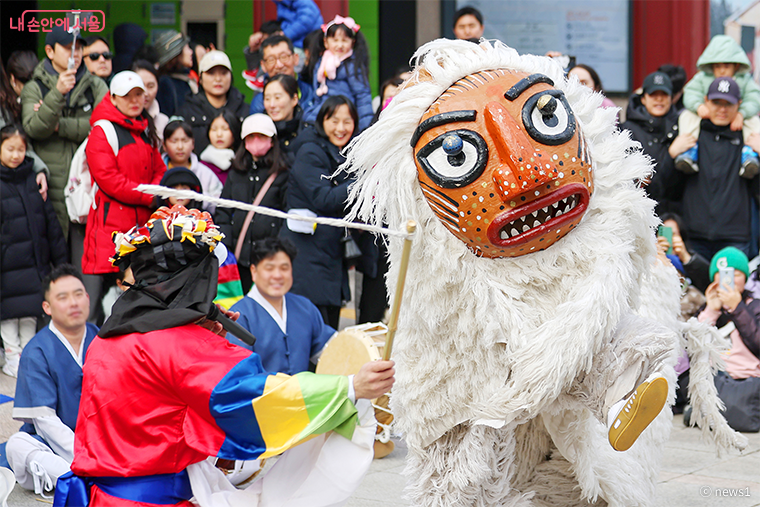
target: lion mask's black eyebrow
<point>442,119</point>
<point>526,83</point>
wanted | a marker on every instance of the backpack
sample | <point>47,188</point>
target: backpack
<point>79,194</point>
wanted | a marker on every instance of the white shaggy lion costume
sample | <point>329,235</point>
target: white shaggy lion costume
<point>511,349</point>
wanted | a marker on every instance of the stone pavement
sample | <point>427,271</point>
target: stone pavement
<point>692,475</point>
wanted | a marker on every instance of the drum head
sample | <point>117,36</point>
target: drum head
<point>346,353</point>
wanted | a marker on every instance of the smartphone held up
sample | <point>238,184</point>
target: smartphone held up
<point>726,278</point>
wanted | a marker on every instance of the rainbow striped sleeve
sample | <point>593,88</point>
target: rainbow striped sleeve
<point>264,415</point>
<point>229,290</point>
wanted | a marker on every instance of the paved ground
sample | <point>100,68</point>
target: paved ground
<point>692,475</point>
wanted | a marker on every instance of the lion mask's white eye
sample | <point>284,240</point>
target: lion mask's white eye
<point>454,159</point>
<point>548,118</point>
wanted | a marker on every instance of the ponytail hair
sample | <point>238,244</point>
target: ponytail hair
<point>360,58</point>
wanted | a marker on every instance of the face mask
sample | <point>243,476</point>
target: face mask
<point>258,146</point>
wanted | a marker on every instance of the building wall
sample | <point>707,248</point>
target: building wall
<point>668,31</point>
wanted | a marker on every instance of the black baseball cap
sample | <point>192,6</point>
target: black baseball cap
<point>658,81</point>
<point>60,36</point>
<point>724,88</point>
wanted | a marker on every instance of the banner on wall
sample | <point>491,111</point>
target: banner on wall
<point>596,32</point>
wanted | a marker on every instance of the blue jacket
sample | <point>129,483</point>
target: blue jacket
<point>305,97</point>
<point>346,84</point>
<point>297,18</point>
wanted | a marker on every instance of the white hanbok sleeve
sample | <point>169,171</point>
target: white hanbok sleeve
<point>59,437</point>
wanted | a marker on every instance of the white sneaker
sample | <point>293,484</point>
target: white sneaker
<point>10,368</point>
<point>628,418</point>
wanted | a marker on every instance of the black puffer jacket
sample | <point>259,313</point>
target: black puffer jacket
<point>243,186</point>
<point>318,270</point>
<point>655,135</point>
<point>31,240</point>
<point>199,113</point>
<point>716,201</point>
<point>287,131</point>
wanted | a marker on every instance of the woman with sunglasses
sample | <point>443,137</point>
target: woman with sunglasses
<point>97,57</point>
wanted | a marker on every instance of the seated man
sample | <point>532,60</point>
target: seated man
<point>50,384</point>
<point>737,314</point>
<point>289,329</point>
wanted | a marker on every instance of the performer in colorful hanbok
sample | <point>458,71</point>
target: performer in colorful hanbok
<point>163,391</point>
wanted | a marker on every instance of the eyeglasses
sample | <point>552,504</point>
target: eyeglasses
<point>284,59</point>
<point>96,56</point>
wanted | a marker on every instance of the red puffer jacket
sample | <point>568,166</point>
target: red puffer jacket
<point>118,206</point>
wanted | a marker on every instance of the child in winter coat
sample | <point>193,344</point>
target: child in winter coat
<point>341,69</point>
<point>179,143</point>
<point>31,240</point>
<point>722,57</point>
<point>224,137</point>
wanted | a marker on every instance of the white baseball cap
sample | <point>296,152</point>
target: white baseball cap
<point>258,123</point>
<point>123,82</point>
<point>213,59</point>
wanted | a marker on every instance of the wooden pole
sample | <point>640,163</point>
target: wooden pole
<point>411,226</point>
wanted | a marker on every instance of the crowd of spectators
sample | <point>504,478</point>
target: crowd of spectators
<point>703,139</point>
<point>170,113</point>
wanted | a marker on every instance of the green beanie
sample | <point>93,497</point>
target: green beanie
<point>729,257</point>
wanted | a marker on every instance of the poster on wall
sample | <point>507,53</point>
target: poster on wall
<point>596,32</point>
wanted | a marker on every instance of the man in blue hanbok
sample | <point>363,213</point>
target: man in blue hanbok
<point>290,332</point>
<point>50,384</point>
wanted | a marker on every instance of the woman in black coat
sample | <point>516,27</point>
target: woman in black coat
<point>31,240</point>
<point>318,271</point>
<point>257,159</point>
<point>281,104</point>
<point>216,95</point>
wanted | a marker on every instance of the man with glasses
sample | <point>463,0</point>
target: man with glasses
<point>279,57</point>
<point>97,57</point>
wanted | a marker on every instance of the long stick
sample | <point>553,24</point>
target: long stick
<point>411,226</point>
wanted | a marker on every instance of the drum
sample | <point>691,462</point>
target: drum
<point>345,354</point>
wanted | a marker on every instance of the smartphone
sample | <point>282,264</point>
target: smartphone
<point>667,232</point>
<point>726,277</point>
